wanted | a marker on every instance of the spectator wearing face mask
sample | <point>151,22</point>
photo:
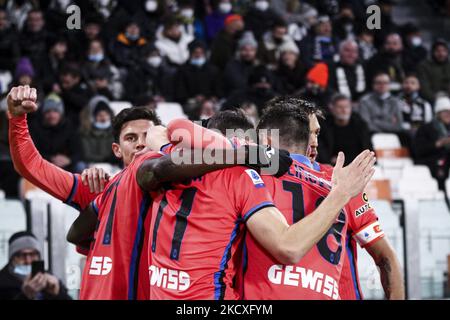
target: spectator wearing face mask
<point>316,88</point>
<point>342,131</point>
<point>172,42</point>
<point>150,17</point>
<point>155,77</point>
<point>92,29</point>
<point>16,282</point>
<point>346,24</point>
<point>98,66</point>
<point>127,48</point>
<point>291,72</point>
<point>54,136</point>
<point>269,46</point>
<point>434,73</point>
<point>97,139</point>
<point>224,45</point>
<point>260,18</point>
<point>416,110</point>
<point>215,21</point>
<point>237,71</point>
<point>197,77</point>
<point>190,25</point>
<point>390,60</point>
<point>415,51</point>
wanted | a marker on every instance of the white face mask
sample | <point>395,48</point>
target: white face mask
<point>416,41</point>
<point>22,270</point>
<point>225,7</point>
<point>104,3</point>
<point>102,125</point>
<point>154,61</point>
<point>151,5</point>
<point>262,5</point>
<point>187,13</point>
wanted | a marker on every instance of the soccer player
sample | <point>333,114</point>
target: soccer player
<point>378,247</point>
<point>72,189</point>
<point>318,273</point>
<point>197,227</point>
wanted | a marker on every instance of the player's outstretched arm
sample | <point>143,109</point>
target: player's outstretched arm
<point>26,158</point>
<point>83,227</point>
<point>183,164</point>
<point>288,244</point>
<point>390,271</point>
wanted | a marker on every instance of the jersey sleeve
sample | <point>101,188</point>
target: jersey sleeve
<point>186,134</point>
<point>59,183</point>
<point>248,191</point>
<point>363,221</point>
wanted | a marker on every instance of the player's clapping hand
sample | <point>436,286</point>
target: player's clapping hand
<point>22,100</point>
<point>352,179</point>
<point>95,178</point>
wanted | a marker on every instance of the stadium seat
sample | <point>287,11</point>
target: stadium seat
<point>118,106</point>
<point>386,141</point>
<point>379,189</point>
<point>13,219</point>
<point>168,111</point>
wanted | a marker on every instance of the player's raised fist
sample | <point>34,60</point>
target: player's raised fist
<point>22,100</point>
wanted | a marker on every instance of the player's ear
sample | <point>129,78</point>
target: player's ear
<point>116,150</point>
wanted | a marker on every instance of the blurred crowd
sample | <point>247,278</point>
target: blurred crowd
<point>210,55</point>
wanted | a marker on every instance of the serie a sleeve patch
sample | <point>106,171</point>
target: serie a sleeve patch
<point>369,234</point>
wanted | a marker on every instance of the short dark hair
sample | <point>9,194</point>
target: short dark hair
<point>290,115</point>
<point>230,119</point>
<point>130,114</point>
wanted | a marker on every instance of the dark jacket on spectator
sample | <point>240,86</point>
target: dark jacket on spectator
<point>426,152</point>
<point>235,76</point>
<point>9,49</point>
<point>62,139</point>
<point>434,77</point>
<point>34,46</point>
<point>290,80</point>
<point>96,146</point>
<point>222,49</point>
<point>11,288</point>
<point>348,80</point>
<point>351,139</point>
<point>393,66</point>
<point>260,21</point>
<point>127,54</point>
<point>75,99</point>
<point>192,81</point>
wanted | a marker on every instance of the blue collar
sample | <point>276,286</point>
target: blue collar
<point>302,159</point>
<point>316,166</point>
